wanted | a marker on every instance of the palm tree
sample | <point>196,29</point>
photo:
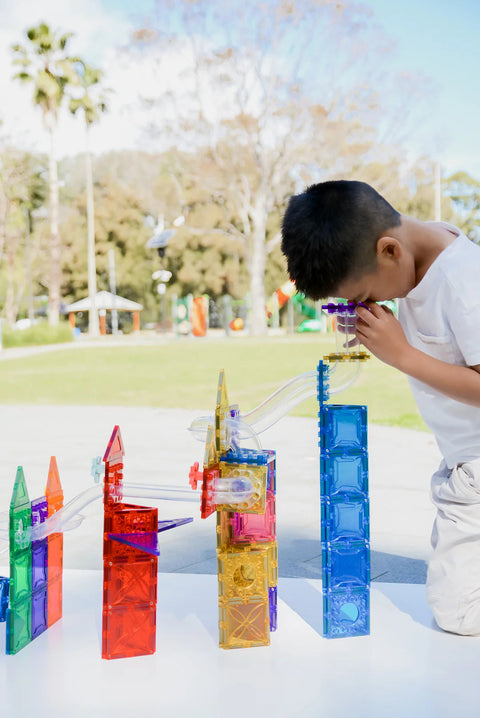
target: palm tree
<point>92,107</point>
<point>45,63</point>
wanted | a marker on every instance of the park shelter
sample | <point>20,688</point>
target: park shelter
<point>105,302</point>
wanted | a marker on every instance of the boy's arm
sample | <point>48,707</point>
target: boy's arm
<point>381,333</point>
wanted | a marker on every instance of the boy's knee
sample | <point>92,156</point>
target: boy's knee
<point>455,610</point>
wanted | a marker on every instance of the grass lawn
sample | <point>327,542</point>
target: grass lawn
<point>183,374</point>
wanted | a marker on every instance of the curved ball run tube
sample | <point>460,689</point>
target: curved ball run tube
<point>280,403</point>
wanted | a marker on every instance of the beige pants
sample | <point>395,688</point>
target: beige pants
<point>453,578</point>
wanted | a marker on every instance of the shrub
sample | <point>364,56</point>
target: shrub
<point>41,333</point>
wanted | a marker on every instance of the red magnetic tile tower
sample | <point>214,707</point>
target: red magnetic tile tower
<point>129,569</point>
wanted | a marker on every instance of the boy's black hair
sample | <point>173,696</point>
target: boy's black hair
<point>330,233</point>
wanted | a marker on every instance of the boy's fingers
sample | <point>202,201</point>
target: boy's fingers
<point>365,315</point>
<point>374,310</point>
<point>386,309</point>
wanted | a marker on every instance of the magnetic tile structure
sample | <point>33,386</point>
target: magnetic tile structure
<point>344,515</point>
<point>34,600</point>
<point>246,533</point>
<point>130,558</point>
<point>129,572</point>
<point>31,598</point>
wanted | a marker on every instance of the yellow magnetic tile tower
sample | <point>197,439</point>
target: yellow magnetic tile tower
<point>246,533</point>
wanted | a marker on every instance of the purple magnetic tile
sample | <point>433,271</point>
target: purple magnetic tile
<point>148,540</point>
<point>144,541</point>
<point>172,523</point>
<point>39,563</point>
<point>272,598</point>
<point>341,308</point>
<point>271,472</point>
<point>39,548</point>
<point>39,612</point>
<point>4,585</point>
<point>39,511</point>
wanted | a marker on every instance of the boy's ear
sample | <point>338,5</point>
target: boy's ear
<point>388,249</point>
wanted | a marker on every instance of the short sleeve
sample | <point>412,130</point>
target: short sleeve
<point>464,311</point>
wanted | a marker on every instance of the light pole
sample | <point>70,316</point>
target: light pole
<point>113,289</point>
<point>164,276</point>
<point>159,241</point>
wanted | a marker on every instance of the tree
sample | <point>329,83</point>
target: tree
<point>22,190</point>
<point>45,63</point>
<point>119,225</point>
<point>463,192</point>
<point>92,102</point>
<point>276,92</point>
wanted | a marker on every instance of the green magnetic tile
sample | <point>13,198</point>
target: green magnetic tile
<point>19,622</point>
<point>20,576</point>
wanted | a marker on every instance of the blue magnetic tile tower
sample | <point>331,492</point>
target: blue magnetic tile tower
<point>344,515</point>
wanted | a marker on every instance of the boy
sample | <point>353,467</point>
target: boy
<point>344,239</point>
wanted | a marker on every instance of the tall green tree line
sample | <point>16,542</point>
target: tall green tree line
<point>130,187</point>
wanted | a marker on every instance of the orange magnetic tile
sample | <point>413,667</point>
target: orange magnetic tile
<point>126,582</point>
<point>55,555</point>
<point>53,489</point>
<point>54,601</point>
<point>128,631</point>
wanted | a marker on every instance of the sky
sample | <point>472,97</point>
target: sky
<point>436,39</point>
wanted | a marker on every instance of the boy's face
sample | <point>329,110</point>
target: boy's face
<point>393,277</point>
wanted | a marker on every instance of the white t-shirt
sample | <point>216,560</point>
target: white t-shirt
<point>441,317</point>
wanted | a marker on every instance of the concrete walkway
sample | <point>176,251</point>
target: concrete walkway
<point>159,449</point>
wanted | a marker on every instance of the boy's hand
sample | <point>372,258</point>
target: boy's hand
<point>381,333</point>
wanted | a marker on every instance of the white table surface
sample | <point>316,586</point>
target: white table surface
<point>406,667</point>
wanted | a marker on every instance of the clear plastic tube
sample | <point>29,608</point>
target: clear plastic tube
<point>68,517</point>
<point>281,402</point>
<point>236,489</point>
<point>268,412</point>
